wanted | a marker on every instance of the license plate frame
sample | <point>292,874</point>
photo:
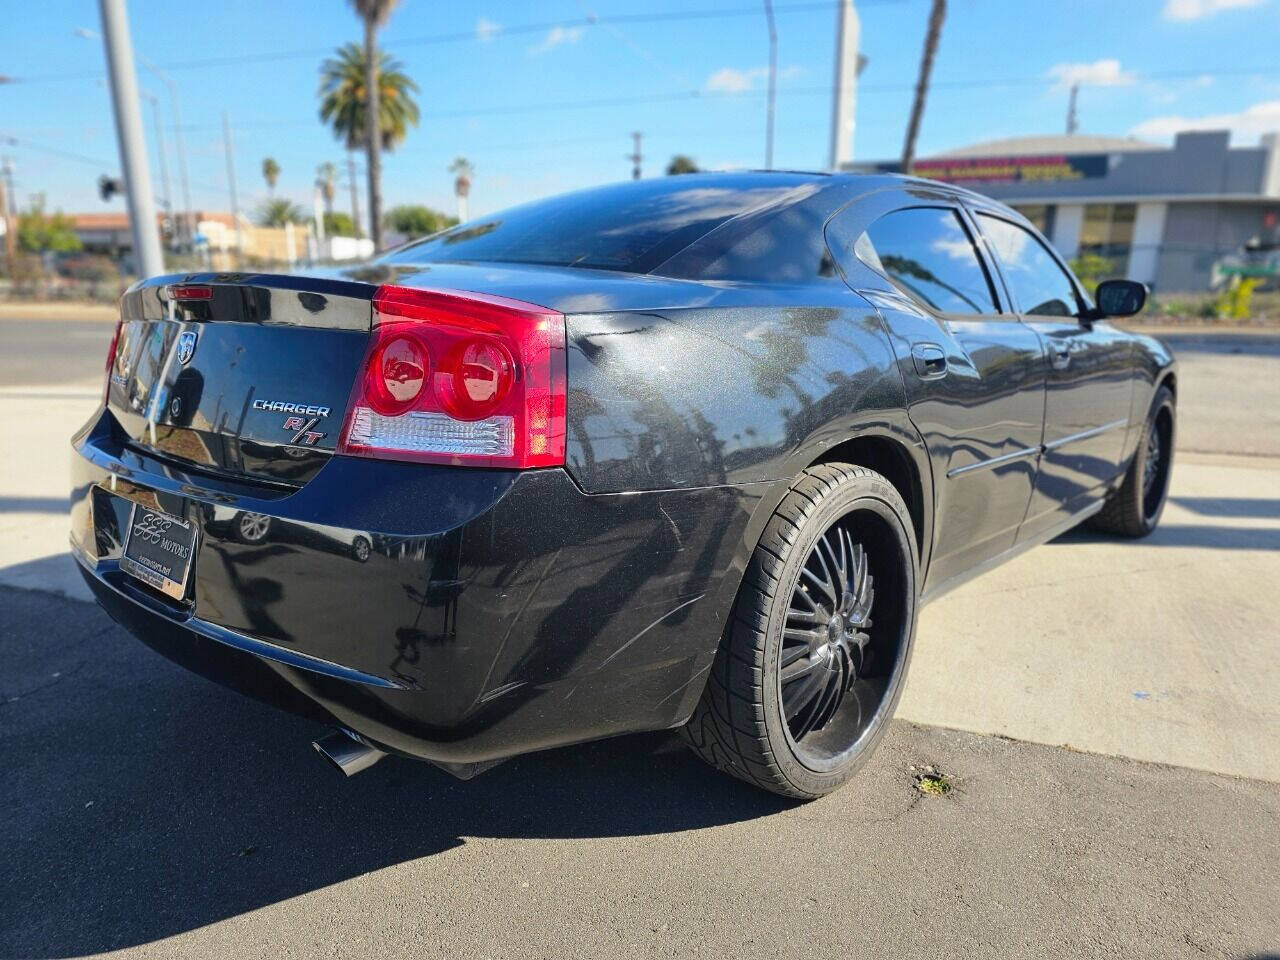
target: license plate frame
<point>152,550</point>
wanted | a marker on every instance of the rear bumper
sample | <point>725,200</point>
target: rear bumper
<point>457,615</point>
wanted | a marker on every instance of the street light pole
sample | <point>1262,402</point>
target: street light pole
<point>188,228</point>
<point>164,163</point>
<point>133,154</point>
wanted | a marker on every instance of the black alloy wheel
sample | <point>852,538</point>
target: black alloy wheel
<point>1134,509</point>
<point>813,659</point>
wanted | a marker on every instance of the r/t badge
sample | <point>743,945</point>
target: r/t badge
<point>303,430</point>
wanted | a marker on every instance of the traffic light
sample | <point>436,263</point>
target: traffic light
<point>109,187</point>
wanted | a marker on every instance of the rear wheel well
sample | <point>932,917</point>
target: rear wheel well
<point>891,460</point>
<point>1171,381</point>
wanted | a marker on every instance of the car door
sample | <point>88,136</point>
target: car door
<point>1087,368</point>
<point>971,371</point>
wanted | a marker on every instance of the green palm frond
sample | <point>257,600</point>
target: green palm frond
<point>342,97</point>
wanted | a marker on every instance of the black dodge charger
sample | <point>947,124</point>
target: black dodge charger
<point>679,453</point>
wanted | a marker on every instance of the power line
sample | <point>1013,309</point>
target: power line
<point>586,20</point>
<point>712,95</point>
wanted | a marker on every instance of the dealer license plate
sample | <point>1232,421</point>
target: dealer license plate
<point>158,549</point>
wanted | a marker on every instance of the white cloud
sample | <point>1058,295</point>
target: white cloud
<point>1100,73</point>
<point>1184,10</point>
<point>558,36</point>
<point>486,29</point>
<point>730,80</point>
<point>1250,122</point>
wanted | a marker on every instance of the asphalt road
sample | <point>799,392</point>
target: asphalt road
<point>144,808</point>
<point>1107,711</point>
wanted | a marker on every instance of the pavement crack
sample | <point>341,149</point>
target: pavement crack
<point>58,677</point>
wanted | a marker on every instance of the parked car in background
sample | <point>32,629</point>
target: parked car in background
<point>678,453</point>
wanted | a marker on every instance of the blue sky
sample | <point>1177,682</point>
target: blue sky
<point>504,86</point>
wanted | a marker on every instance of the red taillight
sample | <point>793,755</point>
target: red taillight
<point>111,360</point>
<point>190,291</point>
<point>460,378</point>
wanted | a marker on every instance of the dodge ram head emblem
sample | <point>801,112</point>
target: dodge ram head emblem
<point>186,346</point>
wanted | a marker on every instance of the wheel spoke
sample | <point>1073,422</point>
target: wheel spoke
<point>815,709</point>
<point>806,637</point>
<point>798,695</point>
<point>827,585</point>
<point>797,667</point>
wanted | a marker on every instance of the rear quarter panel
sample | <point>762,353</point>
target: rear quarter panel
<point>749,391</point>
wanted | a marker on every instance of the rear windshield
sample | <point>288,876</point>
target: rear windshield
<point>632,227</point>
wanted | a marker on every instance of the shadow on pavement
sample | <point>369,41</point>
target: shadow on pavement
<point>1267,509</point>
<point>139,802</point>
<point>33,504</point>
<point>1187,535</point>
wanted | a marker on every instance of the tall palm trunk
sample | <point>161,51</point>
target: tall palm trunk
<point>936,16</point>
<point>373,130</point>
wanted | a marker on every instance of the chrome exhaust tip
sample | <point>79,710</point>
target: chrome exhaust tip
<point>346,753</point>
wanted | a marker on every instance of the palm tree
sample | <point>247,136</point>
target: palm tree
<point>343,105</point>
<point>278,212</point>
<point>936,16</point>
<point>270,173</point>
<point>463,171</point>
<point>374,13</point>
<point>327,181</point>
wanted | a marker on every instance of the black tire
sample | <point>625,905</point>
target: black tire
<point>361,549</point>
<point>743,725</point>
<point>1134,510</point>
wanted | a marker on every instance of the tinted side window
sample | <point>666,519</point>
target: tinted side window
<point>1036,281</point>
<point>929,254</point>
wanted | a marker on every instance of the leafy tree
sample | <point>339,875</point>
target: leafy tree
<point>339,224</point>
<point>418,221</point>
<point>38,232</point>
<point>364,82</point>
<point>270,173</point>
<point>279,211</point>
<point>327,181</point>
<point>1092,269</point>
<point>681,164</point>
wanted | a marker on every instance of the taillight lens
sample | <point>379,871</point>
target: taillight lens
<point>190,291</point>
<point>111,361</point>
<point>460,378</point>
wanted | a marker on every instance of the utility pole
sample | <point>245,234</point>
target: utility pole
<point>133,154</point>
<point>635,156</point>
<point>228,148</point>
<point>164,163</point>
<point>773,84</point>
<point>1072,122</point>
<point>10,226</point>
<point>355,193</point>
<point>936,16</point>
<point>844,97</point>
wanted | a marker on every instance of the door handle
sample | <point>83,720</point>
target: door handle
<point>1060,356</point>
<point>930,360</point>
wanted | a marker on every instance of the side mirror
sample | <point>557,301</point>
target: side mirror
<point>1119,298</point>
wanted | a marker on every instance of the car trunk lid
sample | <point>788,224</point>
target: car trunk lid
<point>239,374</point>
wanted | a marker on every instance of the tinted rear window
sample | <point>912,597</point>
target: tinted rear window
<point>631,227</point>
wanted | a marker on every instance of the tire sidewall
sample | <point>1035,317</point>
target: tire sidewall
<point>1163,400</point>
<point>858,493</point>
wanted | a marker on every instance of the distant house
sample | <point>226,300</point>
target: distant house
<point>226,244</point>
